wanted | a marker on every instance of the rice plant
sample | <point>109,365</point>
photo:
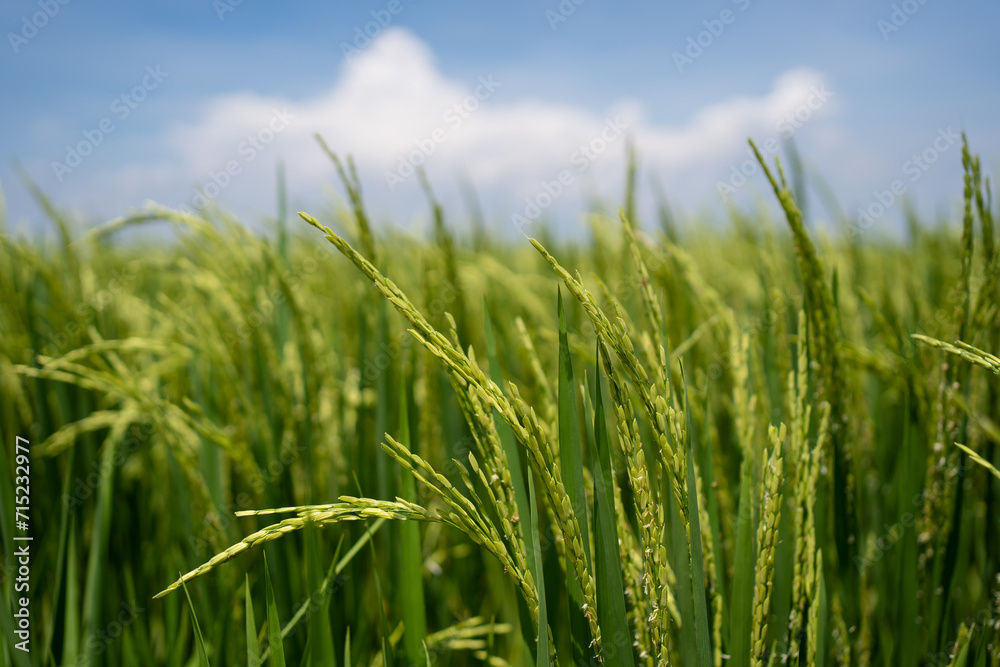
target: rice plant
<point>765,444</point>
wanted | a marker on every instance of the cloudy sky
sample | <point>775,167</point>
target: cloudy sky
<point>112,104</point>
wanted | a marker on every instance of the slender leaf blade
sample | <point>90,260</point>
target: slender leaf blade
<point>320,634</point>
<point>702,631</point>
<point>273,622</point>
<point>411,587</point>
<point>741,613</point>
<point>253,648</point>
<point>524,496</point>
<point>571,463</point>
<point>616,639</point>
<point>199,638</point>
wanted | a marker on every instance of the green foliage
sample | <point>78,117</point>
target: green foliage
<point>274,641</point>
<point>829,495</point>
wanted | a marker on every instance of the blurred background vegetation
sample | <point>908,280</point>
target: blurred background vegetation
<point>165,385</point>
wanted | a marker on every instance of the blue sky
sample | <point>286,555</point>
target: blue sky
<point>873,84</point>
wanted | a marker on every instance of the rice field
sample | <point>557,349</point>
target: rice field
<point>333,443</point>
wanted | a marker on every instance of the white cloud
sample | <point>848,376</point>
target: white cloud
<point>392,98</point>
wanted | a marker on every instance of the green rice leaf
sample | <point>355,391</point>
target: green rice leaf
<point>821,632</point>
<point>273,622</point>
<point>199,639</point>
<point>388,655</point>
<point>741,613</point>
<point>336,568</point>
<point>61,558</point>
<point>535,553</point>
<point>71,619</point>
<point>411,587</point>
<point>983,651</point>
<point>571,463</point>
<point>682,570</point>
<point>99,537</point>
<point>320,635</point>
<point>524,494</point>
<point>712,496</point>
<point>909,476</point>
<point>616,639</point>
<point>253,648</point>
<point>383,484</point>
<point>570,452</point>
<point>702,631</point>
